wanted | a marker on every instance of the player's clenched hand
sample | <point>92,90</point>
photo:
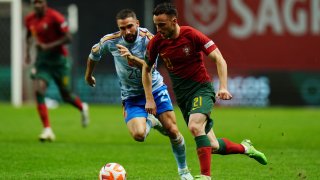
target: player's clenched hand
<point>91,81</point>
<point>223,94</point>
<point>151,107</point>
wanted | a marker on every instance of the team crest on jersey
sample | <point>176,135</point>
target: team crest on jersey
<point>207,15</point>
<point>186,50</point>
<point>45,26</point>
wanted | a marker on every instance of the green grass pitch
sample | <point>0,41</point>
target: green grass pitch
<point>290,137</point>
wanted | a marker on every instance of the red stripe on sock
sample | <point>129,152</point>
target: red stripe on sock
<point>77,103</point>
<point>204,155</point>
<point>43,112</point>
<point>233,148</point>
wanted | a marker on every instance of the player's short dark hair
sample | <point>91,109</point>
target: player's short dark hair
<point>125,13</point>
<point>165,8</point>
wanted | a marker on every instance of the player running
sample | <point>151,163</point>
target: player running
<point>181,47</point>
<point>138,121</point>
<point>48,28</point>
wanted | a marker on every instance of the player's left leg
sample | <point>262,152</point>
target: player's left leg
<point>62,80</point>
<point>224,146</point>
<point>168,121</point>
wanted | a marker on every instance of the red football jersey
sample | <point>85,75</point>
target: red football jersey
<point>48,28</point>
<point>182,56</point>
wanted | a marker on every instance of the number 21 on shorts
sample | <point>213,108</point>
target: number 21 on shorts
<point>197,102</point>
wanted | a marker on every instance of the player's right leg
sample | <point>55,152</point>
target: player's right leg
<point>40,87</point>
<point>138,128</point>
<point>136,119</point>
<point>197,122</point>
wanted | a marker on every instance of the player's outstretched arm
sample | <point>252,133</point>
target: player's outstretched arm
<point>89,78</point>
<point>222,69</point>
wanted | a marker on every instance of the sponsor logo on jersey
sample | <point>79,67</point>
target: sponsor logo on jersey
<point>45,26</point>
<point>186,50</point>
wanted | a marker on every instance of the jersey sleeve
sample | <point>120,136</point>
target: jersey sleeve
<point>149,36</point>
<point>98,50</point>
<point>202,41</point>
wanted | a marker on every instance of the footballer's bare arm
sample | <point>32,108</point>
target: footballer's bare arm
<point>127,54</point>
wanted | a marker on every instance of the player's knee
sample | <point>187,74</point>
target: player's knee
<point>195,129</point>
<point>138,136</point>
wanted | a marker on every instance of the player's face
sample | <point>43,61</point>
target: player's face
<point>39,6</point>
<point>165,25</point>
<point>128,28</point>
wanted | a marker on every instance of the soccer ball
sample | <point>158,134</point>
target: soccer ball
<point>112,171</point>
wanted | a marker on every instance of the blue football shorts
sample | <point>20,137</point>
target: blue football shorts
<point>135,106</point>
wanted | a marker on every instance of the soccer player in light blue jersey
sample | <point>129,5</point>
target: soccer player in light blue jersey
<point>134,39</point>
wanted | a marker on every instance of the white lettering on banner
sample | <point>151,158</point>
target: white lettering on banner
<point>271,16</point>
<point>315,17</point>
<point>247,91</point>
<point>299,27</point>
<point>246,15</point>
<point>268,16</point>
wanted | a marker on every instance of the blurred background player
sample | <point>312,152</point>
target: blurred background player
<point>49,30</point>
<point>180,48</point>
<point>133,39</point>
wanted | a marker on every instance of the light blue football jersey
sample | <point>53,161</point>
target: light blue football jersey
<point>130,77</point>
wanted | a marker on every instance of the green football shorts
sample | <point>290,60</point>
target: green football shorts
<point>58,72</point>
<point>202,102</point>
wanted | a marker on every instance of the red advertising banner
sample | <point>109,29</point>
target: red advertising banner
<point>254,35</point>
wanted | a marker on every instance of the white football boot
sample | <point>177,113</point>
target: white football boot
<point>47,135</point>
<point>185,174</point>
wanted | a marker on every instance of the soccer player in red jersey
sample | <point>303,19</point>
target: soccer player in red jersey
<point>181,48</point>
<point>48,28</point>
